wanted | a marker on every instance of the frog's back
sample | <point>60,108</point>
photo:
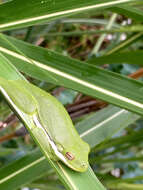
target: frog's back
<point>53,116</point>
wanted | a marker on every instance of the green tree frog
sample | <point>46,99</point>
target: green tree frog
<point>52,125</point>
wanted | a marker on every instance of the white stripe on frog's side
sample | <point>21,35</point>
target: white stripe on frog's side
<point>54,147</point>
<point>37,123</point>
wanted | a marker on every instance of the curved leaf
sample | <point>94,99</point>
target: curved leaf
<point>71,179</point>
<point>89,79</point>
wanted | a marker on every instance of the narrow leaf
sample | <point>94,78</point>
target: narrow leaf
<point>129,57</point>
<point>14,15</point>
<point>89,79</point>
<point>129,11</point>
<point>71,179</point>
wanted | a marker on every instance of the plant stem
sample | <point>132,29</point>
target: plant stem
<point>102,37</point>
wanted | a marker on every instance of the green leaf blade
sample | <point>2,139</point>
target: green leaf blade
<point>80,76</point>
<point>15,15</point>
<point>67,176</point>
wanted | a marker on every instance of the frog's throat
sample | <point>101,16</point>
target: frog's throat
<point>54,147</point>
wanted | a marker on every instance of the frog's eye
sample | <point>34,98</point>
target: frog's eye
<point>69,156</point>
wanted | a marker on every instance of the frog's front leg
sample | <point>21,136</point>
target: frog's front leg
<point>43,140</point>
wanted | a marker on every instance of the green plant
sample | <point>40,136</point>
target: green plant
<point>53,67</point>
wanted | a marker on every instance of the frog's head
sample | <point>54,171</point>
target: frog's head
<point>76,156</point>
